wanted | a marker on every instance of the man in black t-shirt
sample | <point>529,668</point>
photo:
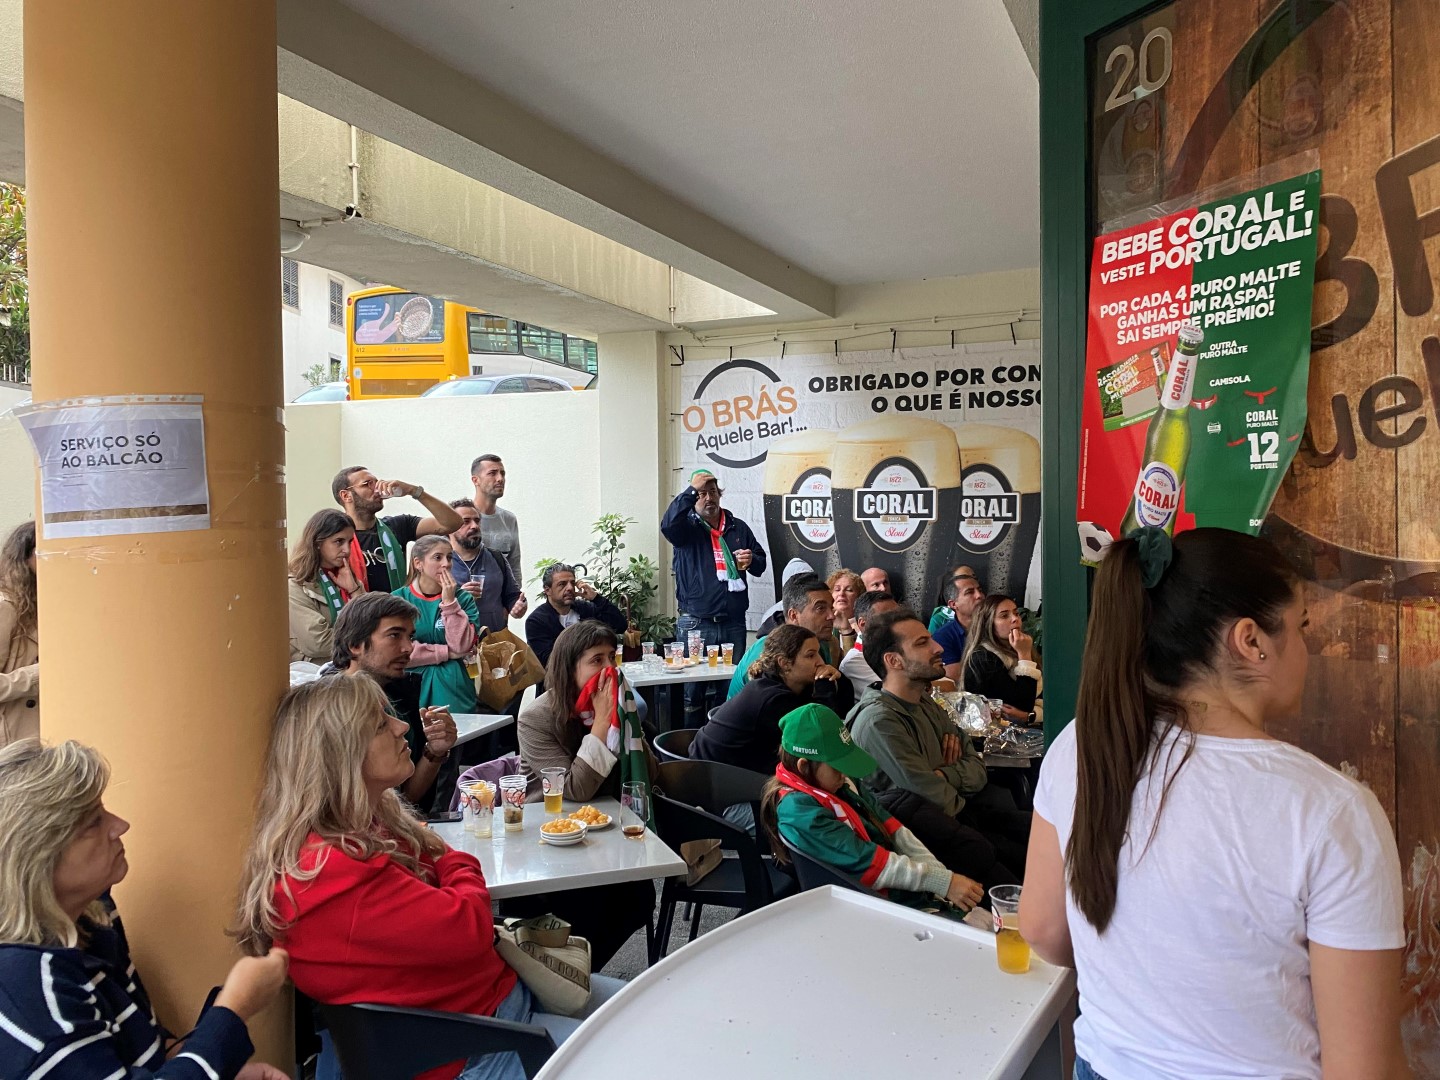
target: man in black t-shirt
<point>378,551</point>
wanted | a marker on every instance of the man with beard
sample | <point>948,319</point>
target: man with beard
<point>931,777</point>
<point>375,636</point>
<point>567,602</point>
<point>713,551</point>
<point>377,554</point>
<point>482,573</point>
<point>499,528</point>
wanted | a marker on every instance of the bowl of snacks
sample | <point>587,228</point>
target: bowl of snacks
<point>593,819</point>
<point>563,831</point>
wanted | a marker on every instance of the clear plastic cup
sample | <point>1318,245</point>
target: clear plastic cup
<point>512,801</point>
<point>727,653</point>
<point>553,783</point>
<point>477,804</point>
<point>712,655</point>
<point>1012,951</point>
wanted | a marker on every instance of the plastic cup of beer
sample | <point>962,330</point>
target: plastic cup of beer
<point>727,653</point>
<point>647,653</point>
<point>477,804</point>
<point>512,801</point>
<point>1012,951</point>
<point>712,655</point>
<point>553,782</point>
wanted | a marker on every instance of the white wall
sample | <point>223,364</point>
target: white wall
<point>550,444</point>
<point>307,336</point>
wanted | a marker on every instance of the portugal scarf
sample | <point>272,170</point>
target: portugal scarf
<point>394,556</point>
<point>726,569</point>
<point>335,597</point>
<point>842,810</point>
<point>625,738</point>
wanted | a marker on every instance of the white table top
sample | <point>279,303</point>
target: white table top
<point>521,864</point>
<point>470,725</point>
<point>638,675</point>
<point>770,993</point>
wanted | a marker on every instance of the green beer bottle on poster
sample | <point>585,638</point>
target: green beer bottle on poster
<point>1156,499</point>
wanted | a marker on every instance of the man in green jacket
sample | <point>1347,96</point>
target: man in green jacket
<point>931,776</point>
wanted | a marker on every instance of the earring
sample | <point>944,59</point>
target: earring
<point>1262,656</point>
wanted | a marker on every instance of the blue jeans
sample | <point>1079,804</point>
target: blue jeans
<point>1083,1071</point>
<point>701,697</point>
<point>519,1006</point>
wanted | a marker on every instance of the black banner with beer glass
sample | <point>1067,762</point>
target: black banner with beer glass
<point>915,461</point>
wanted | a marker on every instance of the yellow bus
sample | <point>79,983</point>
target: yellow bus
<point>402,343</point>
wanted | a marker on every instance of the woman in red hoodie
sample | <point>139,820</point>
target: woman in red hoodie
<point>371,904</point>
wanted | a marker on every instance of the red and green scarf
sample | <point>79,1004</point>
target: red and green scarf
<point>626,738</point>
<point>726,569</point>
<point>842,810</point>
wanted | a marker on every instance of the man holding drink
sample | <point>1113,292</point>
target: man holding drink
<point>713,552</point>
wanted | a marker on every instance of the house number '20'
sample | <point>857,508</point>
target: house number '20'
<point>1147,79</point>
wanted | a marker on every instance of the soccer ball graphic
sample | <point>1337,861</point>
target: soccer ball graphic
<point>1094,542</point>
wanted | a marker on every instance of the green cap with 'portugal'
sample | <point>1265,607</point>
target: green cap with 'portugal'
<point>815,733</point>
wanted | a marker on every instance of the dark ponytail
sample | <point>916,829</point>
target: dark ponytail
<point>1142,646</point>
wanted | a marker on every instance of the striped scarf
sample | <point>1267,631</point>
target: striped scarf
<point>726,569</point>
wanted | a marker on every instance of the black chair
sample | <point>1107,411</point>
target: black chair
<point>674,745</point>
<point>384,1042</point>
<point>814,874</point>
<point>689,798</point>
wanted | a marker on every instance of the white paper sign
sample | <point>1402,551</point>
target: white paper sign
<point>119,465</point>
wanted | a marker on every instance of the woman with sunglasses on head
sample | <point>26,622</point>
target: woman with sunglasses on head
<point>72,1006</point>
<point>1231,904</point>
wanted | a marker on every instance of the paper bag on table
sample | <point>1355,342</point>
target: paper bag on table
<point>507,666</point>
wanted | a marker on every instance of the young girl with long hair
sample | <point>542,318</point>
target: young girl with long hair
<point>999,659</point>
<point>322,582</point>
<point>371,905</point>
<point>447,617</point>
<point>1231,904</point>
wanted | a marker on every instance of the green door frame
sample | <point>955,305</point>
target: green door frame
<point>1066,27</point>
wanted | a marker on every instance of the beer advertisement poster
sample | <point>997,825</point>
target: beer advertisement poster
<point>912,460</point>
<point>1197,361</point>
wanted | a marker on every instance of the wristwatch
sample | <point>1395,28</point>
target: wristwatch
<point>419,492</point>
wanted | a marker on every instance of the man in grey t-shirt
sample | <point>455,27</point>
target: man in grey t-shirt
<point>498,528</point>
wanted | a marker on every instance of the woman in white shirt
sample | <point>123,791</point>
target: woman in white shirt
<point>1232,905</point>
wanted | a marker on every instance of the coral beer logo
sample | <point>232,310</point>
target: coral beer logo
<point>809,510</point>
<point>738,408</point>
<point>988,508</point>
<point>896,504</point>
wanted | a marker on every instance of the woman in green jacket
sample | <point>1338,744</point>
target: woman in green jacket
<point>446,617</point>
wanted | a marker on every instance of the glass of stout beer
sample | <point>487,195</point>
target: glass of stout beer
<point>897,492</point>
<point>799,518</point>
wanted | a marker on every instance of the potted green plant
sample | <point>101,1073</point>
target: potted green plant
<point>630,583</point>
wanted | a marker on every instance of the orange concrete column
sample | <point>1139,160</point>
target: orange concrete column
<point>151,162</point>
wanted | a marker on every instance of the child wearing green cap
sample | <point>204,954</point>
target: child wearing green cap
<point>818,804</point>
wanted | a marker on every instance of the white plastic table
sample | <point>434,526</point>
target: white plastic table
<point>828,983</point>
<point>521,864</point>
<point>472,725</point>
<point>641,677</point>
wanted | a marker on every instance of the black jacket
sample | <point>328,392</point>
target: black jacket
<point>745,731</point>
<point>697,589</point>
<point>985,674</point>
<point>543,625</point>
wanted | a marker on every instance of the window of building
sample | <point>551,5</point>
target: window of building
<point>290,283</point>
<point>337,366</point>
<point>337,304</point>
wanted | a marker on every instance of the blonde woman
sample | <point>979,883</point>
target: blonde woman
<point>845,588</point>
<point>371,905</point>
<point>20,679</point>
<point>322,582</point>
<point>71,1004</point>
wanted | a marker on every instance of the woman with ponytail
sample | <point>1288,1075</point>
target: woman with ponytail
<point>1231,904</point>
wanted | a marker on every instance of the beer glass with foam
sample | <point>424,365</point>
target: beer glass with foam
<point>799,517</point>
<point>897,500</point>
<point>1000,507</point>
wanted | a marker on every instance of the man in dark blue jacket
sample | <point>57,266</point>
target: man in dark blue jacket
<point>567,602</point>
<point>714,550</point>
